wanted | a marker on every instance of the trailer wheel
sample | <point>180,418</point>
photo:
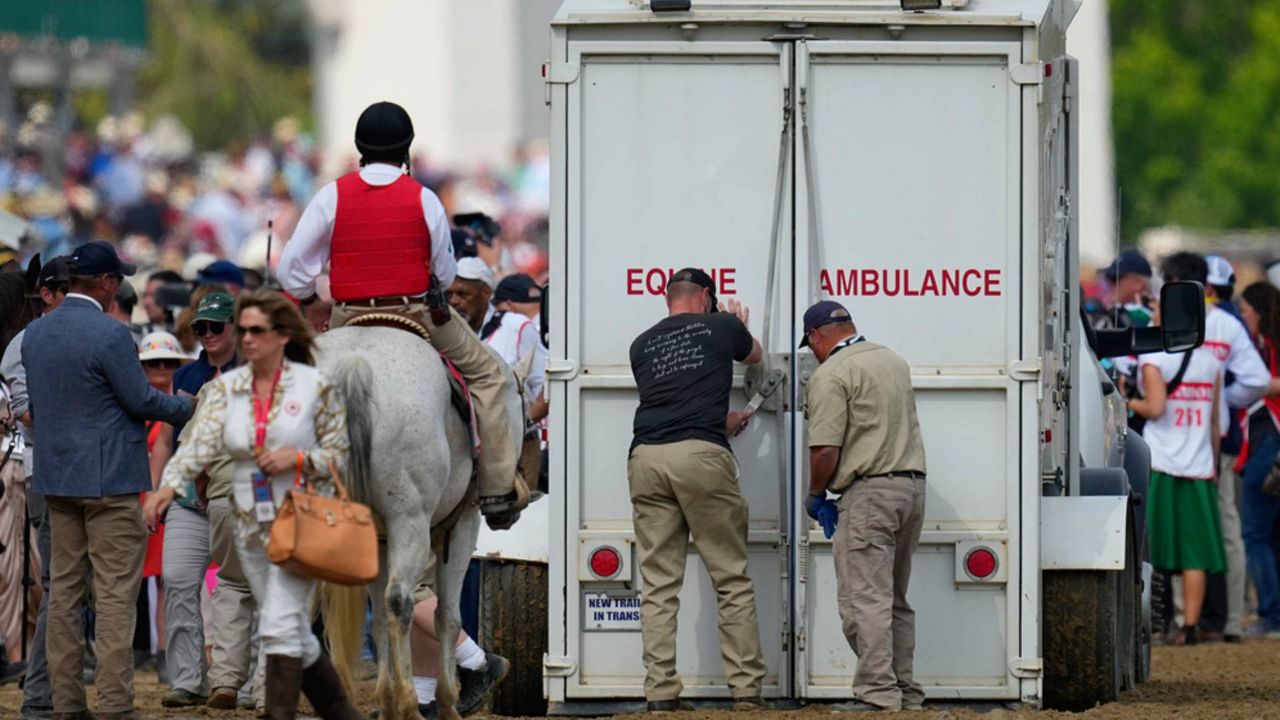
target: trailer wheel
<point>513,623</point>
<point>1082,638</point>
<point>1130,639</point>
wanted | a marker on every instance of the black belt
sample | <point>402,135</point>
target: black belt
<point>904,474</point>
<point>382,302</point>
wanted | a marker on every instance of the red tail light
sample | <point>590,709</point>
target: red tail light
<point>980,563</point>
<point>605,562</point>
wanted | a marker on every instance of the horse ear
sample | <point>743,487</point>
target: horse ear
<point>33,271</point>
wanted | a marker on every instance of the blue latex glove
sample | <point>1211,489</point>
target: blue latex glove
<point>813,501</point>
<point>828,515</point>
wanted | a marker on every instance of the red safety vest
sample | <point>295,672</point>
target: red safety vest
<point>381,245</point>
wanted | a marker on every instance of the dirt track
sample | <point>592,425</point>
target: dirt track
<point>1209,681</point>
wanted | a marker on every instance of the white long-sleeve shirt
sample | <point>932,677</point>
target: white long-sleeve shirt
<point>1228,340</point>
<point>307,252</point>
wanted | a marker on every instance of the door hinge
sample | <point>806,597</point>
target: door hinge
<point>1027,73</point>
<point>561,369</point>
<point>1025,370</point>
<point>559,666</point>
<point>1021,667</point>
<point>560,73</point>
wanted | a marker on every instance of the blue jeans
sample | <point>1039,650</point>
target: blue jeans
<point>1259,515</point>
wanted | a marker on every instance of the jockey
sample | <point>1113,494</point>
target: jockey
<point>388,245</point>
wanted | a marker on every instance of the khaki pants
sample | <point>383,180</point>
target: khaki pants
<point>232,606</point>
<point>108,535</point>
<point>677,488</point>
<point>13,524</point>
<point>878,532</point>
<point>486,379</point>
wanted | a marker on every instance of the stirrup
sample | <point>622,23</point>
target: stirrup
<point>501,511</point>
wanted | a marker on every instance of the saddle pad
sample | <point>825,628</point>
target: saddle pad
<point>460,396</point>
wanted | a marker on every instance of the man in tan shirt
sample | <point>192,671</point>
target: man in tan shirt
<point>865,446</point>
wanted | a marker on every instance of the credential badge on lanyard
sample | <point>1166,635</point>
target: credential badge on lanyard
<point>263,504</point>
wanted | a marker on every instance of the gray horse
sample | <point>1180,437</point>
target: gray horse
<point>410,462</point>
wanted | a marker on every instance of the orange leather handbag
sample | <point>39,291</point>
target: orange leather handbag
<point>331,539</point>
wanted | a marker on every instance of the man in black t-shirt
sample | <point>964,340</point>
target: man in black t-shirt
<point>683,478</point>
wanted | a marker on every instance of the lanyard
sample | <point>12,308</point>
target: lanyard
<point>851,340</point>
<point>262,413</point>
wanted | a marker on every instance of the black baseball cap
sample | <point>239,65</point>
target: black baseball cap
<point>699,278</point>
<point>517,288</point>
<point>98,258</point>
<point>55,272</point>
<point>825,312</point>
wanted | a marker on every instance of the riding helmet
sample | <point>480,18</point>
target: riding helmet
<point>383,127</point>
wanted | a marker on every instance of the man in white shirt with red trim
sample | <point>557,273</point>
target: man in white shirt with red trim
<point>389,248</point>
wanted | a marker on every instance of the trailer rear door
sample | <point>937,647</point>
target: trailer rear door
<point>914,161</point>
<point>671,161</point>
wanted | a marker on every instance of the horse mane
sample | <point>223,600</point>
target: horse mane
<point>13,290</point>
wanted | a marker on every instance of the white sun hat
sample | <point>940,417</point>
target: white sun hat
<point>161,346</point>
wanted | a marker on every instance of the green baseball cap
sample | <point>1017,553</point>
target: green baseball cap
<point>216,307</point>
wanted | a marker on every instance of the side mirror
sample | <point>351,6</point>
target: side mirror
<point>1182,312</point>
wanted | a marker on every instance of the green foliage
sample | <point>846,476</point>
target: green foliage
<point>1196,112</point>
<point>227,69</point>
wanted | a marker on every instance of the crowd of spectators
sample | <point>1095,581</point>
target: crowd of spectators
<point>141,186</point>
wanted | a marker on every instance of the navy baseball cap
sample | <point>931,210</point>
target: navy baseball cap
<point>822,313</point>
<point>699,278</point>
<point>517,288</point>
<point>98,258</point>
<point>1130,262</point>
<point>221,271</point>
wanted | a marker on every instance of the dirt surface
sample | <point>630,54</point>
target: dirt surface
<point>1208,681</point>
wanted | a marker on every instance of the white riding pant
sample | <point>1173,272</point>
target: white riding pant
<point>284,600</point>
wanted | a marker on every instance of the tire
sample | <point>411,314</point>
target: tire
<point>1082,638</point>
<point>513,623</point>
<point>1130,590</point>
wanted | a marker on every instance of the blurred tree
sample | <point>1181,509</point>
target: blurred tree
<point>227,69</point>
<point>1196,112</point>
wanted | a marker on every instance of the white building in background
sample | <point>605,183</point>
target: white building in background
<point>1089,41</point>
<point>468,72</point>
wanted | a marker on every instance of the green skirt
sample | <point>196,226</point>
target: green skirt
<point>1184,530</point>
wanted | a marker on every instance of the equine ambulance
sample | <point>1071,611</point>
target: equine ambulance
<point>918,167</point>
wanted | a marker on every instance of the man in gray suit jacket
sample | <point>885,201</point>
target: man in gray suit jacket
<point>89,400</point>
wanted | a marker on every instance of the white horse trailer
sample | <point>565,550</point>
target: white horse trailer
<point>919,167</point>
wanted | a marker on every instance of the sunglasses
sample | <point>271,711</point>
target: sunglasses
<point>207,327</point>
<point>166,363</point>
<point>254,330</point>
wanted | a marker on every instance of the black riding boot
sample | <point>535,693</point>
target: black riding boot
<point>284,680</point>
<point>323,687</point>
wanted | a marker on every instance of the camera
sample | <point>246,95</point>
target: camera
<point>483,228</point>
<point>173,297</point>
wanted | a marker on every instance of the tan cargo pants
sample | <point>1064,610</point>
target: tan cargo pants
<point>485,377</point>
<point>108,535</point>
<point>678,488</point>
<point>879,530</point>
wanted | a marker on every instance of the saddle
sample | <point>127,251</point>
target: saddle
<point>459,394</point>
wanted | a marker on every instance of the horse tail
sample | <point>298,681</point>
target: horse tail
<point>343,607</point>
<point>354,378</point>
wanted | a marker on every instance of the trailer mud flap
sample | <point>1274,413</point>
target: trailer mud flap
<point>1083,533</point>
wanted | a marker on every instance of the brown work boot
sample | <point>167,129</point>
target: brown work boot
<point>323,687</point>
<point>502,511</point>
<point>284,682</point>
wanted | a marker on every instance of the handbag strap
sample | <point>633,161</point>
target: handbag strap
<point>1182,371</point>
<point>337,481</point>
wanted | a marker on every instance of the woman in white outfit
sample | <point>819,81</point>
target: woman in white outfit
<point>279,420</point>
